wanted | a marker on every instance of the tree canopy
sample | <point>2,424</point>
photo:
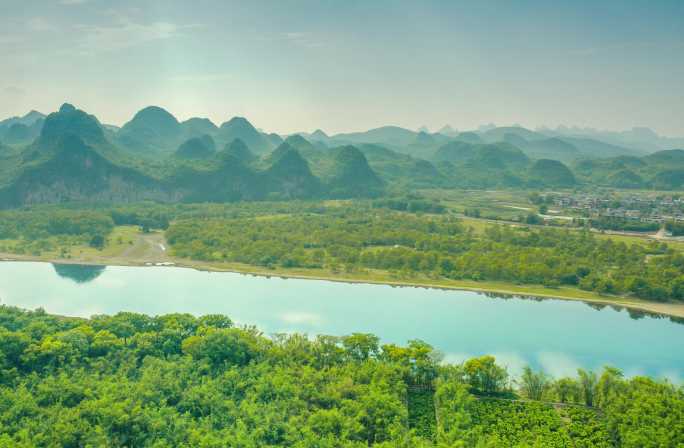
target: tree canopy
<point>184,381</point>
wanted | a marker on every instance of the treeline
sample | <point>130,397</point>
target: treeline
<point>45,223</point>
<point>147,219</point>
<point>36,231</point>
<point>676,228</point>
<point>183,381</point>
<point>437,247</point>
<point>59,228</point>
<point>627,225</point>
<point>410,204</point>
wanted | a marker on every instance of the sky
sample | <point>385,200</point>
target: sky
<point>348,65</point>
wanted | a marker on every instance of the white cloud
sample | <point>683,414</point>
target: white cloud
<point>14,91</point>
<point>72,2</point>
<point>201,78</point>
<point>456,358</point>
<point>9,39</point>
<point>111,282</point>
<point>295,36</point>
<point>558,364</point>
<point>299,318</point>
<point>634,371</point>
<point>124,32</point>
<point>672,376</point>
<point>304,39</point>
<point>109,38</point>
<point>513,362</point>
<point>40,24</point>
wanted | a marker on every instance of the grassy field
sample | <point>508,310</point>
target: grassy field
<point>503,205</point>
<point>126,245</point>
<point>479,224</point>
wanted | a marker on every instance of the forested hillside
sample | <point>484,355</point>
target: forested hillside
<point>72,160</point>
<point>183,381</point>
<point>70,156</point>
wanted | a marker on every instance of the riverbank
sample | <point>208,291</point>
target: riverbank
<point>499,288</point>
<point>160,257</point>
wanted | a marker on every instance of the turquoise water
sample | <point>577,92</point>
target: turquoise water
<point>557,335</point>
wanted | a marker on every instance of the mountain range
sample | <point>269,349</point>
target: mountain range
<point>18,130</point>
<point>69,155</point>
<point>72,159</point>
<point>638,138</point>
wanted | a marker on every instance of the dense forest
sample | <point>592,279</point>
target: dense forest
<point>436,246</point>
<point>178,380</point>
<point>411,239</point>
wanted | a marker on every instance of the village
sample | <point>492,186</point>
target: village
<point>634,207</point>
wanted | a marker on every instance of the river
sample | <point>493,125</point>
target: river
<point>558,336</point>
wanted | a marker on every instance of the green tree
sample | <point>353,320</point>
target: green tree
<point>566,390</point>
<point>453,406</point>
<point>97,241</point>
<point>484,375</point>
<point>221,347</point>
<point>534,384</point>
<point>361,346</point>
<point>587,382</point>
<point>608,386</point>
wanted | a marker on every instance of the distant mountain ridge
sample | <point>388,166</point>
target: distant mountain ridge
<point>639,139</point>
<point>151,129</point>
<point>70,155</point>
<point>18,130</point>
<point>238,150</point>
<point>537,144</point>
<point>290,174</point>
<point>71,121</point>
<point>239,127</point>
<point>197,127</point>
<point>352,175</point>
<point>448,131</point>
<point>27,120</point>
<point>202,147</point>
<point>72,160</point>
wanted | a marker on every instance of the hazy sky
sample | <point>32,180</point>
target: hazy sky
<point>350,65</point>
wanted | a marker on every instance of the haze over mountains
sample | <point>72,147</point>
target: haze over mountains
<point>70,156</point>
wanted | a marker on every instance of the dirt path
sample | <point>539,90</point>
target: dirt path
<point>148,247</point>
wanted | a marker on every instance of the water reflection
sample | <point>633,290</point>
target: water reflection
<point>79,273</point>
<point>633,313</point>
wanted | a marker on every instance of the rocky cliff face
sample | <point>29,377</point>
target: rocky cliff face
<point>74,171</point>
<point>352,176</point>
<point>73,160</point>
<point>71,121</point>
<point>289,176</point>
